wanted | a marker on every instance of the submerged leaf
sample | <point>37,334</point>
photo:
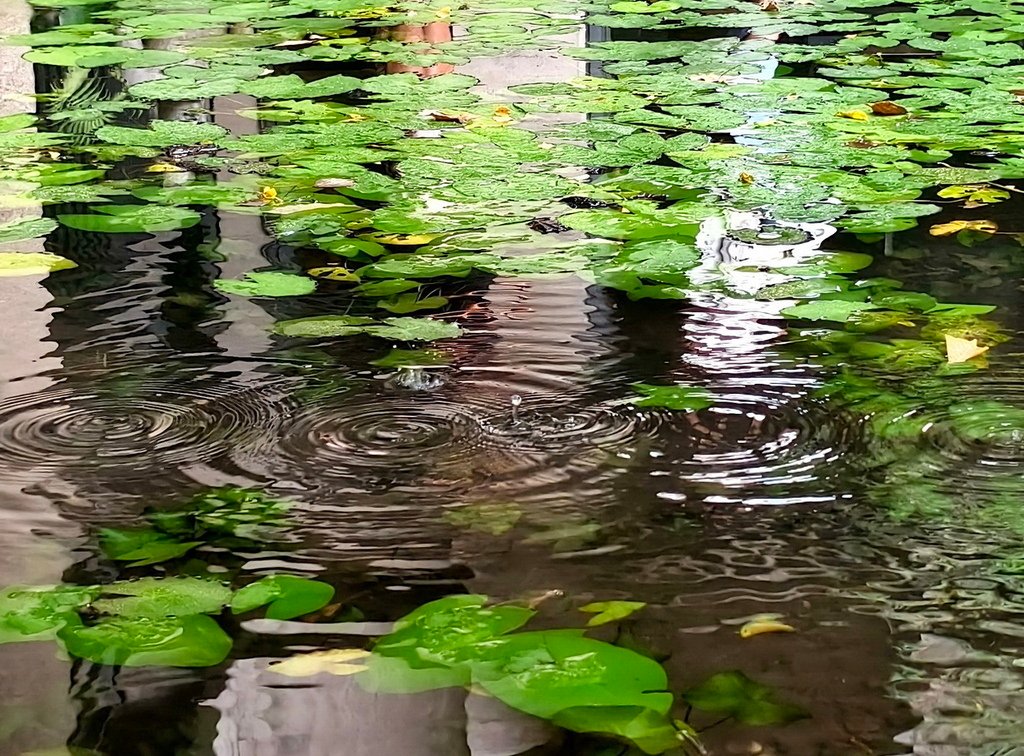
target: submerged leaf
<point>338,661</point>
<point>610,611</point>
<point>736,695</point>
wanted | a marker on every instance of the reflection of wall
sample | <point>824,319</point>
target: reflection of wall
<point>36,712</point>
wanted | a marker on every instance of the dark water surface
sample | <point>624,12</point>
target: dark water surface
<point>518,467</point>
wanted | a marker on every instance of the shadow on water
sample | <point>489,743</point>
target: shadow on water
<point>511,466</point>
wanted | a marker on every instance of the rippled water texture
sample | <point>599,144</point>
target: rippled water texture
<point>877,512</point>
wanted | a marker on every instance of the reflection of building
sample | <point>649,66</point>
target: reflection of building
<point>36,711</point>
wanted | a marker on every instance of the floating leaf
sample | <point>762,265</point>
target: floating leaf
<point>610,611</point>
<point>32,263</point>
<point>546,672</point>
<point>683,398</point>
<point>123,219</point>
<point>286,595</point>
<point>164,134</point>
<point>322,327</point>
<point>961,350</point>
<point>888,108</point>
<point>144,546</point>
<point>838,310</point>
<point>768,623</point>
<point>415,329</point>
<point>32,613</point>
<point>138,641</point>
<point>267,284</point>
<point>954,227</point>
<point>26,229</point>
<point>163,597</point>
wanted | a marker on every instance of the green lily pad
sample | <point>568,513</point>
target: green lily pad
<point>838,310</point>
<point>26,229</point>
<point>163,597</point>
<point>139,641</point>
<point>610,611</point>
<point>267,284</point>
<point>682,398</point>
<point>32,613</point>
<point>286,596</point>
<point>164,134</point>
<point>123,219</point>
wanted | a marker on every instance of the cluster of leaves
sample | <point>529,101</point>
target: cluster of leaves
<point>689,130</point>
<point>226,517</point>
<point>150,621</point>
<point>579,683</point>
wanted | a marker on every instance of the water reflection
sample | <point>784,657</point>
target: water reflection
<point>138,383</point>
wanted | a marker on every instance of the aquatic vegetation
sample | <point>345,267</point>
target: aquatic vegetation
<point>224,516</point>
<point>781,170</point>
<point>150,621</point>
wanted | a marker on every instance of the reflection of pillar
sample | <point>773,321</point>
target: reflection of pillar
<point>266,714</point>
<point>242,241</point>
<point>36,710</point>
<point>541,321</point>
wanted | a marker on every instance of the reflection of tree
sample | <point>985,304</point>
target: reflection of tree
<point>437,32</point>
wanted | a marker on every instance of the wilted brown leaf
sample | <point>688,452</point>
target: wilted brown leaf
<point>887,108</point>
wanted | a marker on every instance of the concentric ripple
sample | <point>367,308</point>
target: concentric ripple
<point>550,427</point>
<point>364,438</point>
<point>128,435</point>
<point>758,449</point>
<point>437,441</point>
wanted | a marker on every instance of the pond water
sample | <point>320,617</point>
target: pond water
<point>583,302</point>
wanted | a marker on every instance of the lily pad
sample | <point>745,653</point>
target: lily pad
<point>284,595</point>
<point>139,641</point>
<point>267,284</point>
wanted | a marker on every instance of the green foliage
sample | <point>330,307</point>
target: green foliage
<point>577,682</point>
<point>736,695</point>
<point>235,516</point>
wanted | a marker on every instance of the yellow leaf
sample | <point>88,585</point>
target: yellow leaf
<point>955,227</point>
<point>337,661</point>
<point>164,168</point>
<point>746,178</point>
<point>962,350</point>
<point>333,274</point>
<point>761,626</point>
<point>856,115</point>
